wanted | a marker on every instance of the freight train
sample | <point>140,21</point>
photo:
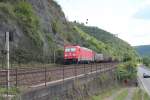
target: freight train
<point>78,54</point>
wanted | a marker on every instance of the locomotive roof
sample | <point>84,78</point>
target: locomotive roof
<point>78,46</point>
<point>86,49</point>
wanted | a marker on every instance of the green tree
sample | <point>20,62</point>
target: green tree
<point>146,61</point>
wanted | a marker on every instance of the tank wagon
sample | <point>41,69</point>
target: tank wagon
<point>78,54</point>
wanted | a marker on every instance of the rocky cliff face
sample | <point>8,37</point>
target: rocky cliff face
<point>37,25</point>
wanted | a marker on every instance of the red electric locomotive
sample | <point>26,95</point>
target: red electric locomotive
<point>77,54</point>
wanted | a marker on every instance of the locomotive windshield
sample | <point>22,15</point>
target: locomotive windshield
<point>67,50</point>
<point>70,49</point>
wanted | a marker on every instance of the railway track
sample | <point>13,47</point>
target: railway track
<point>34,76</point>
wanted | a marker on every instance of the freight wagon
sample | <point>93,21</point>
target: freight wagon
<point>98,57</point>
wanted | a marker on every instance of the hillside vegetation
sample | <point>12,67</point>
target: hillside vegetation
<point>143,50</point>
<point>113,46</point>
<point>40,29</point>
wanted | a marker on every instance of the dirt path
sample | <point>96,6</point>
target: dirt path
<point>129,96</point>
<point>131,91</point>
<point>112,97</point>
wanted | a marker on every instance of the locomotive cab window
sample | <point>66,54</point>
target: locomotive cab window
<point>70,49</point>
<point>67,50</point>
<point>73,49</point>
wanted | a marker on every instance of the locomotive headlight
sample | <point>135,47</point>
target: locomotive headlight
<point>66,55</point>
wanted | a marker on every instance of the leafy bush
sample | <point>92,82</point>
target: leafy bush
<point>126,71</point>
<point>59,56</point>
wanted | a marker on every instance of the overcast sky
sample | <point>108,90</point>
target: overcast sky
<point>130,19</point>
